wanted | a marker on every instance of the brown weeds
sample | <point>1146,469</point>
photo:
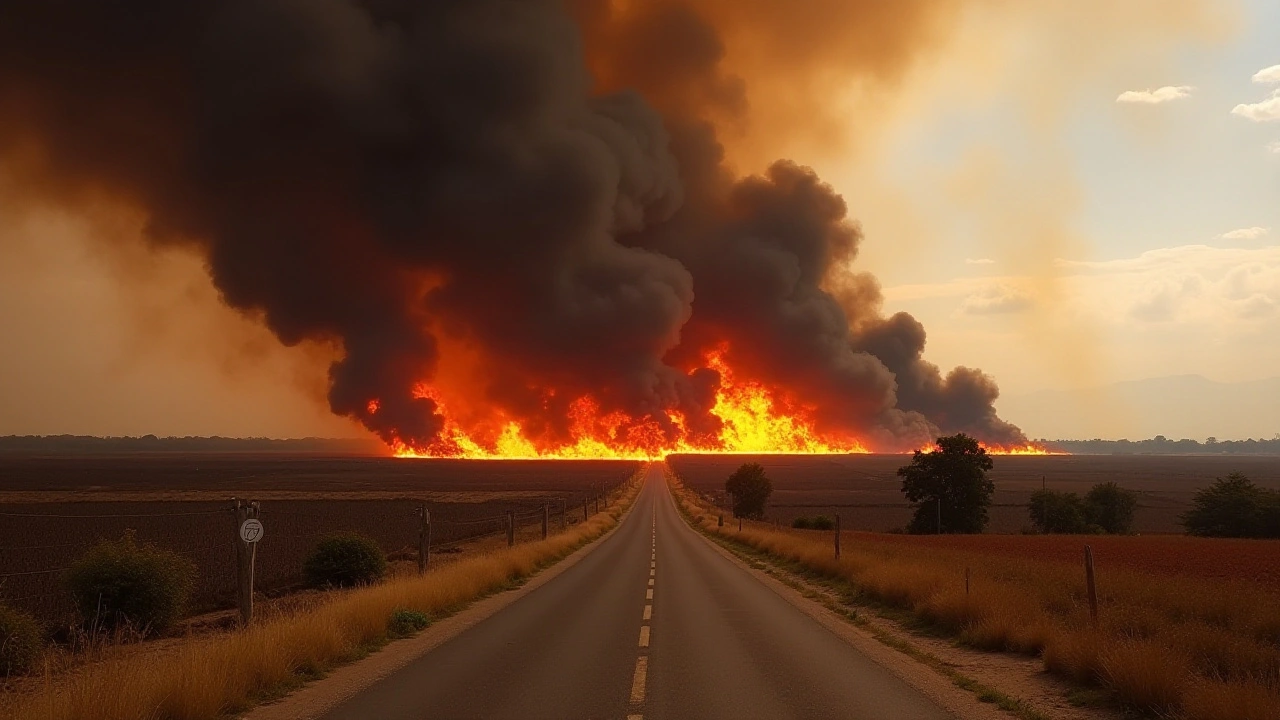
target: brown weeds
<point>211,676</point>
<point>1196,648</point>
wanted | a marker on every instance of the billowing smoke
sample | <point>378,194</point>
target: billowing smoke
<point>467,183</point>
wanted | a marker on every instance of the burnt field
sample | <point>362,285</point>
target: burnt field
<point>866,492</point>
<point>52,509</point>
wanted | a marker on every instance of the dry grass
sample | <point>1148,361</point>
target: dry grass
<point>1193,648</point>
<point>208,677</point>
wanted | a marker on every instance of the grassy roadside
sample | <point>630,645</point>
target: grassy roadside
<point>1166,646</point>
<point>210,676</point>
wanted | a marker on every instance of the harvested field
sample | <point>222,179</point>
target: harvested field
<point>1256,561</point>
<point>183,503</point>
<point>866,492</point>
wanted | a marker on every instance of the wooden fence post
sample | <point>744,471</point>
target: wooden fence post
<point>584,508</point>
<point>546,520</point>
<point>837,536</point>
<point>739,524</point>
<point>564,515</point>
<point>966,582</point>
<point>246,553</point>
<point>1092,589</point>
<point>424,538</point>
<point>511,528</point>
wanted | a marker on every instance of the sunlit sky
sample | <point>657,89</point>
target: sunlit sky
<point>1064,203</point>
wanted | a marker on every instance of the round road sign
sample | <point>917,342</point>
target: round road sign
<point>251,530</point>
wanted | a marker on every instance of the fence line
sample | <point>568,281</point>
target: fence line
<point>30,572</point>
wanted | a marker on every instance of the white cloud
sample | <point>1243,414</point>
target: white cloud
<point>979,261</point>
<point>1263,111</point>
<point>1274,147</point>
<point>1268,75</point>
<point>1157,96</point>
<point>1188,289</point>
<point>995,300</point>
<point>1249,233</point>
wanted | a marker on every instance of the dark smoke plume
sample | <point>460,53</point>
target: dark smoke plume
<point>402,177</point>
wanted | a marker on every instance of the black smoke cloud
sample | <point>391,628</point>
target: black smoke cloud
<point>390,175</point>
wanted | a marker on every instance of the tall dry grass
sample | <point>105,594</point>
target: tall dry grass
<point>208,677</point>
<point>1194,649</point>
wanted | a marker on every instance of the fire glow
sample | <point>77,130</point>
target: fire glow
<point>753,422</point>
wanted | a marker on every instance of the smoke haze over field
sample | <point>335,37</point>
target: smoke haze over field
<point>523,206</point>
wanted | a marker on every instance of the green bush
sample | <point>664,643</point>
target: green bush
<point>1234,507</point>
<point>1111,508</point>
<point>819,522</point>
<point>124,583</point>
<point>20,641</point>
<point>404,623</point>
<point>822,522</point>
<point>1058,513</point>
<point>345,560</point>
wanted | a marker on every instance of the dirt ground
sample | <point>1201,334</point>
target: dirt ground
<point>866,492</point>
<point>52,509</point>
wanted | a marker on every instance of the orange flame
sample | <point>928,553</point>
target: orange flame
<point>753,421</point>
<point>1028,449</point>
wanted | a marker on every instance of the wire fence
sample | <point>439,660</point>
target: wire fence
<point>40,542</point>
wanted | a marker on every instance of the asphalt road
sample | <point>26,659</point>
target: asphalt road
<point>652,623</point>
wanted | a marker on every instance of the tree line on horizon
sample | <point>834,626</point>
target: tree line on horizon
<point>1161,445</point>
<point>950,493</point>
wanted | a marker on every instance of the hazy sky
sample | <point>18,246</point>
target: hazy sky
<point>1067,195</point>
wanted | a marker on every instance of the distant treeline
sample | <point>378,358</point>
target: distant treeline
<point>71,444</point>
<point>1160,445</point>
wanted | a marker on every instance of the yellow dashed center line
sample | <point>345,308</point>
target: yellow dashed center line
<point>648,612</point>
<point>644,636</point>
<point>648,594</point>
<point>639,680</point>
<point>650,582</point>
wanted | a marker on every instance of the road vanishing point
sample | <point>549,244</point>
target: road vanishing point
<point>653,622</point>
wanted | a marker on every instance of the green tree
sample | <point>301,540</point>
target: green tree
<point>1234,507</point>
<point>1060,513</point>
<point>1111,508</point>
<point>949,484</point>
<point>750,489</point>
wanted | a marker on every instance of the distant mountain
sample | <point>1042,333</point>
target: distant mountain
<point>1181,406</point>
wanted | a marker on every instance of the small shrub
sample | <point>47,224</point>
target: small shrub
<point>20,641</point>
<point>127,584</point>
<point>802,523</point>
<point>345,560</point>
<point>1111,508</point>
<point>1058,512</point>
<point>822,522</point>
<point>405,623</point>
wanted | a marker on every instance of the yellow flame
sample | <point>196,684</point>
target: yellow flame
<point>751,423</point>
